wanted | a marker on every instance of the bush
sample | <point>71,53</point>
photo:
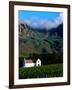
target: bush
<point>46,71</point>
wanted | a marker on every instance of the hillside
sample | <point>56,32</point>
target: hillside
<point>37,41</point>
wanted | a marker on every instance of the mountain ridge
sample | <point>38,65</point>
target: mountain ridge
<point>40,41</point>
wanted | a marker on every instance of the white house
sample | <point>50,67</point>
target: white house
<point>30,63</point>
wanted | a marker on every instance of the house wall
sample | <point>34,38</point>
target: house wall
<point>29,65</point>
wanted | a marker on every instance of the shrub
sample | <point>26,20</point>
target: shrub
<point>53,70</point>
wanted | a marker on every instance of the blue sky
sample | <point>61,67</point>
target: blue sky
<point>40,18</point>
<point>40,15</point>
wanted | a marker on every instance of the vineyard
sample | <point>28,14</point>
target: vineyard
<point>45,71</point>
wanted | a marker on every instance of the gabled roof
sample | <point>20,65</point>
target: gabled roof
<point>28,61</point>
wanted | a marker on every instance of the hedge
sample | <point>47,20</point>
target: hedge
<point>45,71</point>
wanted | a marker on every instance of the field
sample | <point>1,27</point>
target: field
<point>45,71</point>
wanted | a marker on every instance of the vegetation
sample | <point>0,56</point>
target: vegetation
<point>53,58</point>
<point>40,41</point>
<point>45,71</point>
<point>44,44</point>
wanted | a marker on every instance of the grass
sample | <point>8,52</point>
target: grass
<point>45,71</point>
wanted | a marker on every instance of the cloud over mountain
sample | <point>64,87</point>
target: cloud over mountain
<point>44,23</point>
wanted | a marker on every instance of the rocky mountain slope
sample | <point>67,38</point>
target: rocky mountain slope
<point>39,41</point>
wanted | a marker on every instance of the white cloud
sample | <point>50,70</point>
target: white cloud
<point>59,19</point>
<point>47,24</point>
<point>34,24</point>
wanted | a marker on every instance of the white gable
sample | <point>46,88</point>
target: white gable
<point>38,62</point>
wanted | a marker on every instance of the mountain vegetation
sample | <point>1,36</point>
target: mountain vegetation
<point>41,43</point>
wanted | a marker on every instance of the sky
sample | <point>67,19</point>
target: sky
<point>41,19</point>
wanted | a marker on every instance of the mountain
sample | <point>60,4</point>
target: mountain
<point>39,41</point>
<point>58,30</point>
